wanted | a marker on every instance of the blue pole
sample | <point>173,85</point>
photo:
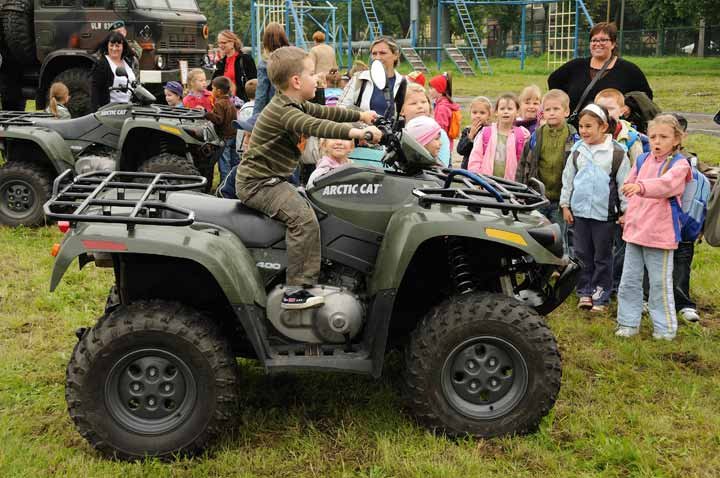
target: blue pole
<point>438,34</point>
<point>287,18</point>
<point>522,37</point>
<point>349,35</point>
<point>253,29</point>
<point>230,14</point>
<point>577,28</point>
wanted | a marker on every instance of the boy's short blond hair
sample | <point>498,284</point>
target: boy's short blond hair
<point>416,88</point>
<point>530,91</point>
<point>251,88</point>
<point>194,73</point>
<point>611,93</point>
<point>557,95</point>
<point>284,63</point>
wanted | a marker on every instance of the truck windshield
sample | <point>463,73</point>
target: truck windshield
<point>167,4</point>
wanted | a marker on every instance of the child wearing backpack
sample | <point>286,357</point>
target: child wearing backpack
<point>545,154</point>
<point>446,113</point>
<point>652,230</point>
<point>591,203</point>
<point>480,112</point>
<point>497,150</point>
<point>530,102</point>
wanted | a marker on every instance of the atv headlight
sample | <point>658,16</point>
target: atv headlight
<point>160,61</point>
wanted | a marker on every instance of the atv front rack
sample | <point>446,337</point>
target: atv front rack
<point>481,191</point>
<point>120,197</point>
<point>21,118</point>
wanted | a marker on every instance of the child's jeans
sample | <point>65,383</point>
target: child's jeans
<point>592,241</point>
<point>659,264</point>
<point>229,158</point>
<point>281,201</point>
<point>618,257</point>
<point>682,261</point>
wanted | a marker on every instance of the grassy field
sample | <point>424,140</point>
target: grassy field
<point>633,408</point>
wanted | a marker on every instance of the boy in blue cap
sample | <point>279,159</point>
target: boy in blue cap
<point>174,94</point>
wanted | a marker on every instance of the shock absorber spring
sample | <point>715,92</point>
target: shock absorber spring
<point>460,268</point>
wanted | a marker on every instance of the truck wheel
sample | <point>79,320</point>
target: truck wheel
<point>24,188</point>
<point>19,30</point>
<point>78,81</point>
<point>151,378</point>
<point>484,365</point>
<point>169,163</point>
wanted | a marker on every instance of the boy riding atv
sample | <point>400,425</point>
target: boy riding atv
<point>273,156</point>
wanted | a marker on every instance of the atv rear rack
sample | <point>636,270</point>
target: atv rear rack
<point>481,191</point>
<point>164,111</point>
<point>101,196</point>
<point>22,118</point>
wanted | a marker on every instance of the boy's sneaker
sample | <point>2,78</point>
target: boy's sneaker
<point>665,336</point>
<point>301,299</point>
<point>646,307</point>
<point>689,314</point>
<point>597,295</point>
<point>624,331</point>
<point>585,303</point>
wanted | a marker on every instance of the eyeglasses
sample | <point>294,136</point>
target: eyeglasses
<point>600,40</point>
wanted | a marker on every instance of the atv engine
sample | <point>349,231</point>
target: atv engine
<point>336,321</point>
<point>92,162</point>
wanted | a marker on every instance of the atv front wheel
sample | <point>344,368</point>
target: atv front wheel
<point>151,379</point>
<point>484,365</point>
<point>169,163</point>
<point>24,188</point>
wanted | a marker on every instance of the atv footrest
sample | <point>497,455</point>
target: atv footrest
<point>129,198</point>
<point>319,357</point>
<point>481,191</point>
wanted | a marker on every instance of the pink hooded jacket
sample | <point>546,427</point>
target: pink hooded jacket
<point>443,114</point>
<point>482,156</point>
<point>648,217</point>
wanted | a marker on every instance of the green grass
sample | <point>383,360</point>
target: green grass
<point>626,408</point>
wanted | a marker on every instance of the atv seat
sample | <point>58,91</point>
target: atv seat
<point>74,128</point>
<point>252,227</point>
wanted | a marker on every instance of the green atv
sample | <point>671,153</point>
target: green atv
<point>128,137</point>
<point>454,268</point>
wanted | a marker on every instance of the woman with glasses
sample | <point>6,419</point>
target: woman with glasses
<point>361,92</point>
<point>574,76</point>
<point>235,64</point>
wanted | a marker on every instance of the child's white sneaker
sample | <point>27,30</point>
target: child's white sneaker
<point>664,336</point>
<point>689,314</point>
<point>624,331</point>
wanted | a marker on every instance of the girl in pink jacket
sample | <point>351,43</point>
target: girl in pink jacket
<point>650,231</point>
<point>441,95</point>
<point>497,149</point>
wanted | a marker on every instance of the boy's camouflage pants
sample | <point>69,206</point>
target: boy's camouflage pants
<point>281,201</point>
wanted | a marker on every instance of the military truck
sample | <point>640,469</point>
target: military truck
<point>42,41</point>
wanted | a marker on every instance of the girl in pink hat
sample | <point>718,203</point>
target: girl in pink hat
<point>425,131</point>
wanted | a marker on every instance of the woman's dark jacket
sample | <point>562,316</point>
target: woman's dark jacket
<point>244,70</point>
<point>574,76</point>
<point>102,80</point>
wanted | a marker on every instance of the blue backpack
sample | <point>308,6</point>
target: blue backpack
<point>688,214</point>
<point>634,135</point>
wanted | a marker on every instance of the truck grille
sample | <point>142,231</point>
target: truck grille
<point>179,41</point>
<point>194,61</point>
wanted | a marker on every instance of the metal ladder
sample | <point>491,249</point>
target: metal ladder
<point>472,37</point>
<point>372,19</point>
<point>414,59</point>
<point>460,61</point>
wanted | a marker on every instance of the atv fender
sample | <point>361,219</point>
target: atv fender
<point>51,143</point>
<point>218,251</point>
<point>411,226</point>
<point>172,132</point>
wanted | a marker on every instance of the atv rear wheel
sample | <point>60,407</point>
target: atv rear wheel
<point>19,30</point>
<point>24,188</point>
<point>482,364</point>
<point>151,379</point>
<point>78,81</point>
<point>169,163</point>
